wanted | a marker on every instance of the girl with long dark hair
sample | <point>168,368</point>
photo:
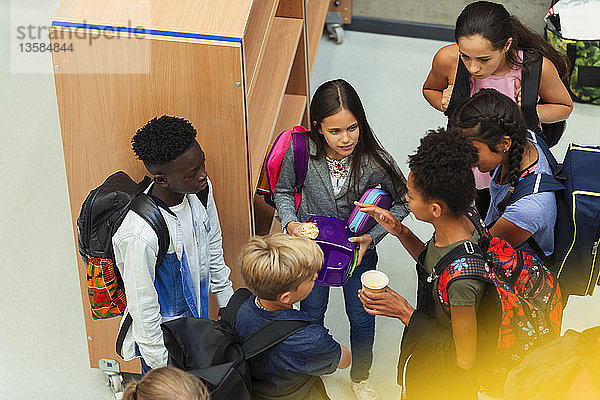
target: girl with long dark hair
<point>345,160</point>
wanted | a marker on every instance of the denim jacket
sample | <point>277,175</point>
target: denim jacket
<point>177,289</point>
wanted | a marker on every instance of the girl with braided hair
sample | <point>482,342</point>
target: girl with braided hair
<point>496,127</point>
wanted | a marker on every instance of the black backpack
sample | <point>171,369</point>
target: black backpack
<point>212,351</point>
<point>530,86</point>
<point>101,215</point>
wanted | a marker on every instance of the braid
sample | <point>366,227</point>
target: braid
<point>517,147</point>
<point>515,156</point>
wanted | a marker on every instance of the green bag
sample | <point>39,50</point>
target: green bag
<point>584,58</point>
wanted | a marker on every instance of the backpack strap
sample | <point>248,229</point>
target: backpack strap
<point>535,183</point>
<point>300,144</point>
<point>266,337</point>
<point>539,252</point>
<point>464,261</point>
<point>235,302</point>
<point>530,85</point>
<point>461,90</point>
<point>146,207</point>
<point>467,249</point>
<point>539,140</point>
<point>270,335</point>
<point>485,237</point>
<point>143,185</point>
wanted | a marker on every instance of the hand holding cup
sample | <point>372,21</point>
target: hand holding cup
<point>378,299</point>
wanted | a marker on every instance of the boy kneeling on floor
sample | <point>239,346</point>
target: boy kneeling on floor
<point>280,270</point>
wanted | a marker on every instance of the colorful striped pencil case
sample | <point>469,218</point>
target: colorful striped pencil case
<point>359,222</point>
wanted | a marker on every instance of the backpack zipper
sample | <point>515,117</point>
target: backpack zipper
<point>589,290</point>
<point>595,246</point>
<point>594,254</point>
<point>404,376</point>
<point>88,219</point>
<point>432,277</point>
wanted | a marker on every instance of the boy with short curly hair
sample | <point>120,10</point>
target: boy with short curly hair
<point>194,263</point>
<point>280,270</point>
<point>449,346</point>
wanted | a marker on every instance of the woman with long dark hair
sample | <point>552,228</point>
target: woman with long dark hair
<point>492,44</point>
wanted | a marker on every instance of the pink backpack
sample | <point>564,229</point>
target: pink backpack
<point>272,167</point>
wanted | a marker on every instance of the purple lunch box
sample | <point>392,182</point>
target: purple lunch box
<point>359,222</point>
<point>340,255</point>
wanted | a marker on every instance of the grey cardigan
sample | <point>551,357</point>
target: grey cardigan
<point>317,193</point>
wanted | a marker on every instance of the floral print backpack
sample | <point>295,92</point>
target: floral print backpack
<point>529,295</point>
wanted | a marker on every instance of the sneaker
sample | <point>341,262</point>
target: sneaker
<point>363,390</point>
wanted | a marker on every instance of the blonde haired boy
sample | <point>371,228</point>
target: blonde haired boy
<point>280,270</point>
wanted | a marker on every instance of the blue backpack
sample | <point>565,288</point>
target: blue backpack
<point>576,184</point>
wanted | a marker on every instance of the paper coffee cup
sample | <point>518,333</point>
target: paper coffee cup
<point>374,280</point>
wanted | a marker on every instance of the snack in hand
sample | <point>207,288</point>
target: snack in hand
<point>309,230</point>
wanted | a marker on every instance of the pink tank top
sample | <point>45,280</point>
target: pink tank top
<point>504,84</point>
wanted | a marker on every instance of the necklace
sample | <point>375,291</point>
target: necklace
<point>339,168</point>
<point>259,304</point>
<point>338,171</point>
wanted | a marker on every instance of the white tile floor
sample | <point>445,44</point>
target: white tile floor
<point>42,338</point>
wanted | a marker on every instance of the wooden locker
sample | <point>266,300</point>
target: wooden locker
<point>237,70</point>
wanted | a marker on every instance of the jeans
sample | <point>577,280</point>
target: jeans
<point>145,367</point>
<point>362,325</point>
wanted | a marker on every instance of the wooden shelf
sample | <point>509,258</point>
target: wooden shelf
<point>263,216</point>
<point>265,100</point>
<point>298,81</point>
<point>291,9</point>
<point>196,70</point>
<point>281,41</point>
<point>290,113</point>
<point>316,12</point>
<point>257,32</point>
